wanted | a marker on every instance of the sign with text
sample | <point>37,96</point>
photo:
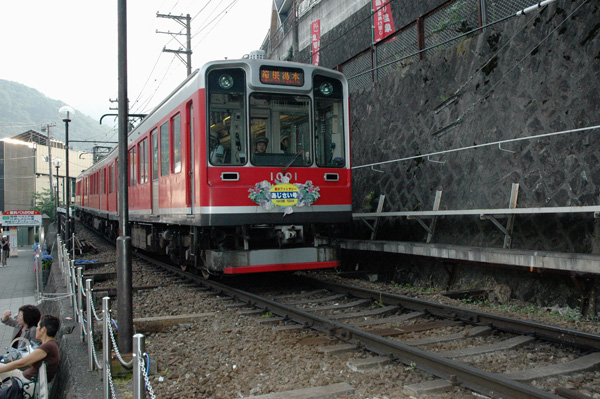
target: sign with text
<point>384,23</point>
<point>21,218</point>
<point>315,28</point>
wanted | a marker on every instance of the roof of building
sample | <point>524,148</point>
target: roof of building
<point>31,136</point>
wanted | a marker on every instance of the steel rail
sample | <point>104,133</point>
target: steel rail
<point>575,338</point>
<point>486,383</point>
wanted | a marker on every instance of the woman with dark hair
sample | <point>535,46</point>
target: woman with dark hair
<point>47,352</point>
<point>24,324</point>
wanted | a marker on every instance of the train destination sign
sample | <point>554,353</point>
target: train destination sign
<point>21,218</point>
<point>281,76</point>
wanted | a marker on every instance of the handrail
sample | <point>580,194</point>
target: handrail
<point>478,212</point>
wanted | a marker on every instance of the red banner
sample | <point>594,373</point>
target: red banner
<point>384,23</point>
<point>315,28</point>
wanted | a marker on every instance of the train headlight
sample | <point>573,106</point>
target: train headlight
<point>225,81</point>
<point>326,88</point>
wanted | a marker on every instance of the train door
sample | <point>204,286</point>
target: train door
<point>154,138</point>
<point>190,166</point>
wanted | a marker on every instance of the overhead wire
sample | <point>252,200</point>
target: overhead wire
<point>140,104</point>
<point>222,15</point>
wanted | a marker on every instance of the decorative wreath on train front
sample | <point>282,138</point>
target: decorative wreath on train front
<point>283,195</point>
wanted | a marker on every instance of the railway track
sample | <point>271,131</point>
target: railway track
<point>459,346</point>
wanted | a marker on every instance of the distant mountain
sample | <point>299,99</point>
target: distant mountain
<point>23,108</point>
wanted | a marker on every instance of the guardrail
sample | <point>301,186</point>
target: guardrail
<point>81,306</point>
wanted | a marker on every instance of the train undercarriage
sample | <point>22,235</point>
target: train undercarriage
<point>230,249</point>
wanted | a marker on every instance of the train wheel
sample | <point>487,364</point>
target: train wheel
<point>205,273</point>
<point>201,265</point>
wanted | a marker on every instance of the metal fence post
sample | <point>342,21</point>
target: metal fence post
<point>106,345</point>
<point>80,302</point>
<point>138,358</point>
<point>73,286</point>
<point>90,322</point>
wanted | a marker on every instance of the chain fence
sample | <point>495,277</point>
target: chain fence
<point>86,314</point>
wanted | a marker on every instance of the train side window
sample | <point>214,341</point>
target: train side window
<point>176,122</point>
<point>143,156</point>
<point>132,167</point>
<point>111,178</point>
<point>154,138</point>
<point>164,149</point>
<point>226,119</point>
<point>329,122</point>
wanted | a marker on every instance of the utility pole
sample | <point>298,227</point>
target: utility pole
<point>186,23</point>
<point>47,130</point>
<point>124,274</point>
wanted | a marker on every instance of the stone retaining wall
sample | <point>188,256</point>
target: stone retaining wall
<point>531,85</point>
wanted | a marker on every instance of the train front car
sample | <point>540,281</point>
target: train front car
<point>277,167</point>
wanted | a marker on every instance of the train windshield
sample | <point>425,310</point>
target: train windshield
<point>227,140</point>
<point>329,122</point>
<point>280,130</point>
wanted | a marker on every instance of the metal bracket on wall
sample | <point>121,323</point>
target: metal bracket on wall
<point>431,228</point>
<point>379,209</point>
<point>512,204</point>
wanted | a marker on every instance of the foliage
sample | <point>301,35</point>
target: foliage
<point>45,203</point>
<point>455,19</point>
<point>290,54</point>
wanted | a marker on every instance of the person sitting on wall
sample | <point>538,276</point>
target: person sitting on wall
<point>261,145</point>
<point>24,324</point>
<point>47,352</point>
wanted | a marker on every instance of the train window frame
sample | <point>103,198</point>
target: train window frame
<point>132,167</point>
<point>278,112</point>
<point>176,143</point>
<point>165,149</point>
<point>226,120</point>
<point>330,123</point>
<point>154,153</point>
<point>111,178</point>
<point>102,181</point>
<point>143,160</point>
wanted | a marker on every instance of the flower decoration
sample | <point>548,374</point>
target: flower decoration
<point>261,194</point>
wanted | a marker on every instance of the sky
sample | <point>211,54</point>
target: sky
<point>67,49</point>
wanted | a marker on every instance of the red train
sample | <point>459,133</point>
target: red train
<point>244,168</point>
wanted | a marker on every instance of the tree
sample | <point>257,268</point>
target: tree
<point>45,203</point>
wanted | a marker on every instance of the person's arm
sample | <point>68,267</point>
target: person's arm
<point>35,356</point>
<point>9,320</point>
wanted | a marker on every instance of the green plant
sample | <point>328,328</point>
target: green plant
<point>380,303</point>
<point>367,201</point>
<point>44,203</point>
<point>46,264</point>
<point>267,315</point>
<point>290,54</point>
<point>411,366</point>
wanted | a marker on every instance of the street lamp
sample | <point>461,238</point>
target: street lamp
<point>57,164</point>
<point>66,113</point>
